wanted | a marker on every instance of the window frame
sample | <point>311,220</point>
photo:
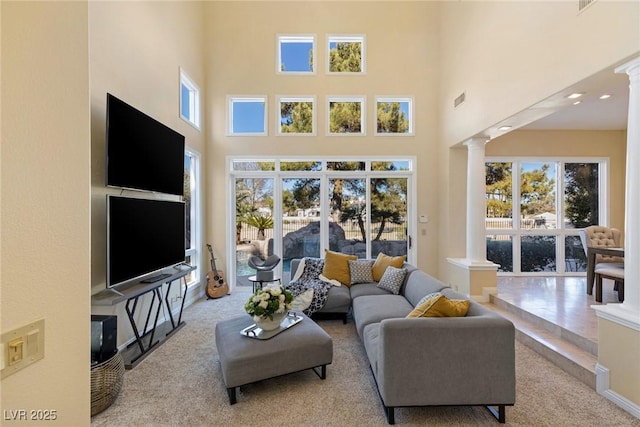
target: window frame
<point>296,98</point>
<point>347,98</point>
<point>560,232</point>
<point>348,38</point>
<point>324,174</point>
<point>296,38</point>
<point>232,99</point>
<point>389,99</point>
<point>195,214</point>
<point>194,101</point>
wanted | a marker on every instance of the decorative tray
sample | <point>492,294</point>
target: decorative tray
<point>253,331</point>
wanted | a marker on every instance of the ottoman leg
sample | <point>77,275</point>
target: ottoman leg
<point>231,391</point>
<point>323,371</point>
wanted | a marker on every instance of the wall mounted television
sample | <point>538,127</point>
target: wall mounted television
<point>143,237</point>
<point>142,153</point>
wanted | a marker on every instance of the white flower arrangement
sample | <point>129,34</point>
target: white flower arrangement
<point>266,302</point>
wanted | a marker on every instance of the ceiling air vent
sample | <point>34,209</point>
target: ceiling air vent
<point>584,3</point>
<point>459,100</point>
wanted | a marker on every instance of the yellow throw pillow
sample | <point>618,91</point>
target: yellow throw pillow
<point>336,266</point>
<point>425,304</point>
<point>383,261</point>
<point>441,306</point>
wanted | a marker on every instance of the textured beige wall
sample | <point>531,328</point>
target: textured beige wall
<point>137,49</point>
<point>402,59</point>
<point>507,56</point>
<point>533,49</point>
<point>619,351</point>
<point>45,203</point>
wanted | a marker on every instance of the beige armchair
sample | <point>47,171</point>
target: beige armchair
<point>605,266</point>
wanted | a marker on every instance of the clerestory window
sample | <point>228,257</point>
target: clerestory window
<point>346,115</point>
<point>189,100</point>
<point>296,54</point>
<point>296,115</point>
<point>247,115</point>
<point>346,54</point>
<point>394,115</point>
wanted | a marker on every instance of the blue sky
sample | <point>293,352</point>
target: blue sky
<point>248,117</point>
<point>295,56</point>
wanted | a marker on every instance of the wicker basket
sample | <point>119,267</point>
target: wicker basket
<point>106,382</point>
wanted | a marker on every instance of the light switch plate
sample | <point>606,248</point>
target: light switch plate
<point>21,347</point>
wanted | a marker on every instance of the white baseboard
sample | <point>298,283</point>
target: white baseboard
<point>602,388</point>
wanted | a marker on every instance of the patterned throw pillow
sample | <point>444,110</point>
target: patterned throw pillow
<point>392,279</point>
<point>383,261</point>
<point>360,271</point>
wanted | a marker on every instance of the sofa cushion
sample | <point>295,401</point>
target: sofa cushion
<point>439,305</point>
<point>369,309</point>
<point>336,266</point>
<point>370,336</point>
<point>360,271</point>
<point>383,261</point>
<point>361,289</point>
<point>392,279</point>
<point>338,300</point>
<point>419,284</point>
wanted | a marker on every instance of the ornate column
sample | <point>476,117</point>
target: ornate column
<point>632,190</point>
<point>474,275</point>
<point>617,375</point>
<point>476,241</point>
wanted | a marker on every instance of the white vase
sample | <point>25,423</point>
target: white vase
<point>267,324</point>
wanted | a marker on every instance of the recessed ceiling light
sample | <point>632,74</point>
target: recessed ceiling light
<point>575,95</point>
<point>577,102</point>
<point>605,96</point>
<point>504,128</point>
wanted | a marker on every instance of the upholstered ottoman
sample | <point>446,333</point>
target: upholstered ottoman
<point>244,360</point>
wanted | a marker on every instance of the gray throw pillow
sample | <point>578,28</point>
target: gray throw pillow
<point>392,279</point>
<point>360,271</point>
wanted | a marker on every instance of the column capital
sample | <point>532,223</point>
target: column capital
<point>629,67</point>
<point>475,142</point>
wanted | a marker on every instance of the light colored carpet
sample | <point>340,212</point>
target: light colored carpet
<point>180,384</point>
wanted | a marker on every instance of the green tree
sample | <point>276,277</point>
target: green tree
<point>251,193</point>
<point>581,194</point>
<point>296,117</point>
<point>345,117</point>
<point>499,193</point>
<point>261,222</point>
<point>537,192</point>
<point>346,57</point>
<point>391,119</point>
<point>388,202</point>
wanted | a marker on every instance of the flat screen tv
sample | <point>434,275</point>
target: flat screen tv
<point>142,153</point>
<point>143,237</point>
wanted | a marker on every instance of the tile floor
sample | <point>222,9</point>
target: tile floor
<point>560,300</point>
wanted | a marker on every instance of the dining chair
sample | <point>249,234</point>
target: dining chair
<point>613,272</point>
<point>598,235</point>
<point>601,236</point>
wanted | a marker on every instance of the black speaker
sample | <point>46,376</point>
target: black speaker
<point>104,334</point>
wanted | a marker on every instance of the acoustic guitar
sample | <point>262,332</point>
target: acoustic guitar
<point>216,286</point>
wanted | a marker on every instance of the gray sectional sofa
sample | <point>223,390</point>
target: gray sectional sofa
<point>429,361</point>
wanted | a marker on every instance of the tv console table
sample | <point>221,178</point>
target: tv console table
<point>145,343</point>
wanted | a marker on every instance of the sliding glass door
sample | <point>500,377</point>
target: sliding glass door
<point>299,208</point>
